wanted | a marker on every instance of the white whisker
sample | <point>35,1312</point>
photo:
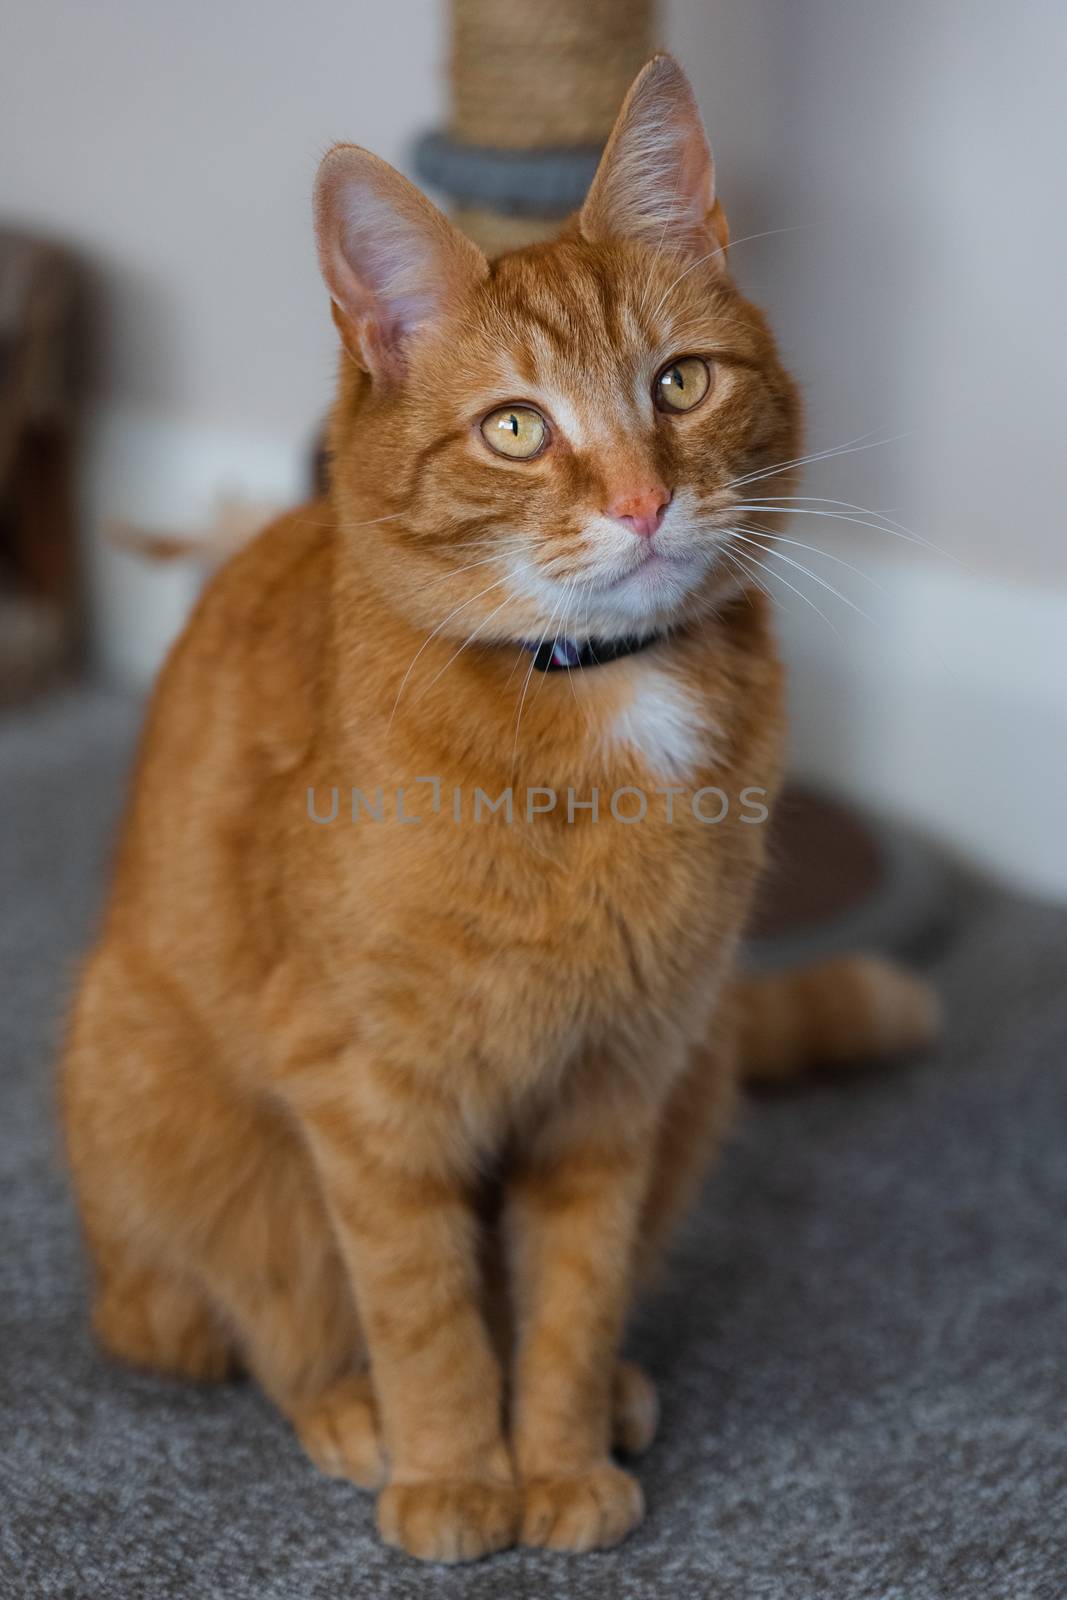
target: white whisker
<point>568,591</point>
<point>771,573</point>
<point>852,447</point>
<point>642,304</point>
<point>526,685</point>
<point>721,250</point>
<point>468,640</point>
<point>748,576</point>
<point>876,622</point>
<point>814,576</point>
<point>373,523</point>
<point>498,543</point>
<point>454,572</point>
<point>817,550</point>
<point>462,607</point>
<point>885,525</point>
<point>584,596</point>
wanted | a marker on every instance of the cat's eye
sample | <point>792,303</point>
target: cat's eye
<point>682,385</point>
<point>515,431</point>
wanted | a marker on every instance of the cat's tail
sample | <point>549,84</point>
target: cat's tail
<point>851,1009</point>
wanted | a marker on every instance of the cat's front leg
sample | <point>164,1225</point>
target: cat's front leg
<point>409,1238</point>
<point>573,1217</point>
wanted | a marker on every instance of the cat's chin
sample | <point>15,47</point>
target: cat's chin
<point>653,572</point>
<point>652,595</point>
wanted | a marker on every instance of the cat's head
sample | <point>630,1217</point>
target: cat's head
<point>550,443</point>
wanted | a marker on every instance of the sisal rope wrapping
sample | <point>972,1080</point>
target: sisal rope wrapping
<point>543,73</point>
<point>545,76</point>
<point>496,233</point>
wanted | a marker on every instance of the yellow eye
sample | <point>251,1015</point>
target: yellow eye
<point>682,385</point>
<point>516,431</point>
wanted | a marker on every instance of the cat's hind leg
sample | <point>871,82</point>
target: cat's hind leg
<point>341,1432</point>
<point>634,1409</point>
<point>153,1319</point>
<point>210,1239</point>
<point>693,1125</point>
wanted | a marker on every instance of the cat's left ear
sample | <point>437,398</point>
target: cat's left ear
<point>394,265</point>
<point>656,179</point>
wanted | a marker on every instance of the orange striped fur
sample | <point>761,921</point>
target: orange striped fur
<point>834,1014</point>
<point>395,1115</point>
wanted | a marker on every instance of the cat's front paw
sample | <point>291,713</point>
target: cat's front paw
<point>449,1521</point>
<point>340,1431</point>
<point>585,1511</point>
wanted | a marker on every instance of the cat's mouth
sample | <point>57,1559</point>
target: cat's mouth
<point>655,570</point>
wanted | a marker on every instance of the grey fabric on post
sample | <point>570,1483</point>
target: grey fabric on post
<point>516,182</point>
<point>860,1350</point>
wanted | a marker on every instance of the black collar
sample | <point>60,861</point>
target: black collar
<point>560,654</point>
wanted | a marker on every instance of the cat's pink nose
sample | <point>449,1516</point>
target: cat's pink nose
<point>641,510</point>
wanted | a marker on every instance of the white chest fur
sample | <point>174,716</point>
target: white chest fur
<point>663,723</point>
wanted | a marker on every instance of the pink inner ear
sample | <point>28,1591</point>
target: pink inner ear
<point>656,181</point>
<point>391,261</point>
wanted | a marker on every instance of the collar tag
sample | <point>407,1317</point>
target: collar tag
<point>559,655</point>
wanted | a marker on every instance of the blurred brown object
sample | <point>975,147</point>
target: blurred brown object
<point>37,545</point>
<point>235,523</point>
<point>840,880</point>
<point>825,862</point>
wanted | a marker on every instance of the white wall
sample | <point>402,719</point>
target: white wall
<point>922,146</point>
<point>175,145</point>
<point>916,149</point>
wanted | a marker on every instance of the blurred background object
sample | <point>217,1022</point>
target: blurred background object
<point>887,174</point>
<point>38,617</point>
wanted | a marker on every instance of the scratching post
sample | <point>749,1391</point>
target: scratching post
<point>39,284</point>
<point>534,90</point>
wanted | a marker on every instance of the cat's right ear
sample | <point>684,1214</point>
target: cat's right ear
<point>392,262</point>
<point>656,180</point>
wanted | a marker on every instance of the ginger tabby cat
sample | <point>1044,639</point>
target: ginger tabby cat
<point>396,1115</point>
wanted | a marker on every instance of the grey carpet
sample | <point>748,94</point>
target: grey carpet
<point>861,1349</point>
